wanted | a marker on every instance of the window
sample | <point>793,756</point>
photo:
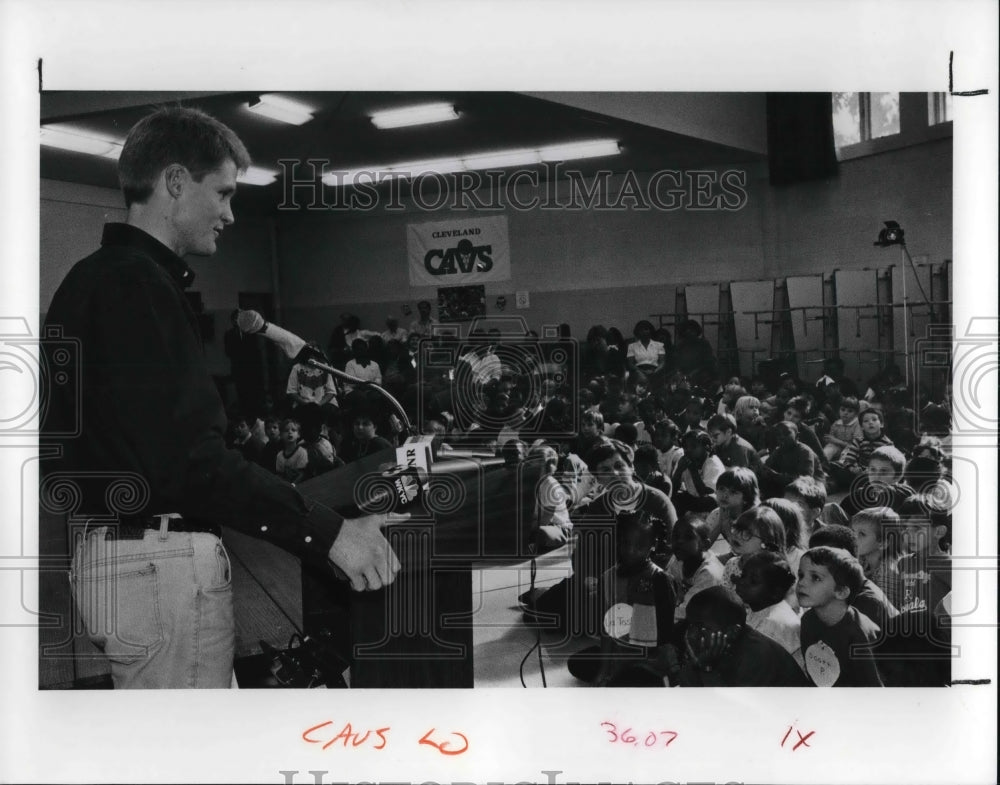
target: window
<point>869,123</point>
<point>858,117</point>
<point>883,114</point>
<point>846,119</point>
<point>938,108</point>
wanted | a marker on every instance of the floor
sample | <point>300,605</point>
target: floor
<point>500,637</point>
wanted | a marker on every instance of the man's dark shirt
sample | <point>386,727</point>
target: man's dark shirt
<point>149,410</point>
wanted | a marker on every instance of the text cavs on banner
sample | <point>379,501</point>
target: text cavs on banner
<point>449,253</point>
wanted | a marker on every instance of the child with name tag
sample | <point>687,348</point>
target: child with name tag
<point>836,636</point>
<point>637,615</point>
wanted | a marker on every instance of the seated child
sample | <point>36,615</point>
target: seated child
<point>269,452</point>
<point>731,448</point>
<point>791,520</point>
<point>736,492</point>
<point>795,538</point>
<point>692,567</point>
<point>243,440</point>
<point>692,418</point>
<point>648,472</point>
<point>647,468</point>
<point>853,461</point>
<point>935,424</point>
<point>361,366</point>
<point>881,485</point>
<point>610,463</point>
<point>513,452</point>
<point>900,421</point>
<point>552,525</point>
<point>665,436</point>
<point>843,431</point>
<point>836,637</point>
<point>763,585</point>
<point>365,441</point>
<point>576,478</point>
<point>870,599</point>
<point>810,497</point>
<point>292,461</point>
<point>749,422</point>
<point>636,615</point>
<point>696,473</point>
<point>798,410</point>
<point>917,648</point>
<point>731,393</point>
<point>723,651</point>
<point>875,551</point>
<point>627,433</point>
<point>926,473</point>
<point>591,433</point>
<point>758,529</point>
<point>788,460</point>
<point>925,569</point>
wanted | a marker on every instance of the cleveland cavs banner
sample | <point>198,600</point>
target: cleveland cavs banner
<point>454,253</point>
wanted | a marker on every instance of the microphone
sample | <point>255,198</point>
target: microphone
<point>253,323</point>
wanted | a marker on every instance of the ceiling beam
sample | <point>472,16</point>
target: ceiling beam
<point>733,119</point>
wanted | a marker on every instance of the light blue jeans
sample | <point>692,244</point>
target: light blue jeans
<point>160,608</point>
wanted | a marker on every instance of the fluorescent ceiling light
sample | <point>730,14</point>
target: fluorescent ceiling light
<point>430,166</point>
<point>359,175</point>
<point>283,109</point>
<point>414,115</point>
<point>569,152</point>
<point>502,159</point>
<point>79,141</point>
<point>498,159</point>
<point>256,175</point>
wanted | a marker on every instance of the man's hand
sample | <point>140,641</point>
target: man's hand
<point>363,553</point>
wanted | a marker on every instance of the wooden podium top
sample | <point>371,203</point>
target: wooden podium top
<point>472,509</point>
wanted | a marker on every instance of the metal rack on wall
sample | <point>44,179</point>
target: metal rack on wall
<point>832,322</point>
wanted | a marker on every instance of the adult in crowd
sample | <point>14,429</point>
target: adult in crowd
<point>423,325</point>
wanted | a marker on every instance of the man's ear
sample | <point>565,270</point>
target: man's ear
<point>175,177</point>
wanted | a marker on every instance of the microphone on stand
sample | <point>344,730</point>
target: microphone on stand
<point>252,323</point>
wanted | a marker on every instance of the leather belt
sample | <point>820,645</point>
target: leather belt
<point>136,528</point>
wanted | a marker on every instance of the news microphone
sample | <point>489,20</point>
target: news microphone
<point>253,323</point>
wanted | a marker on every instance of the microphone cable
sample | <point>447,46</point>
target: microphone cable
<point>537,646</point>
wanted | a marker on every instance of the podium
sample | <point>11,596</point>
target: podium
<point>417,632</point>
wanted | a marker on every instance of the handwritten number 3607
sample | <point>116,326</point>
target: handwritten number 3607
<point>628,737</point>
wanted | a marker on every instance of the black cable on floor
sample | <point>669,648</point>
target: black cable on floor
<point>538,635</point>
<point>536,645</point>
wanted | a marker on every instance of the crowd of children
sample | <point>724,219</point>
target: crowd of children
<point>762,531</point>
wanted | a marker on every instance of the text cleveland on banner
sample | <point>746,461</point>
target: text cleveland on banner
<point>454,253</point>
